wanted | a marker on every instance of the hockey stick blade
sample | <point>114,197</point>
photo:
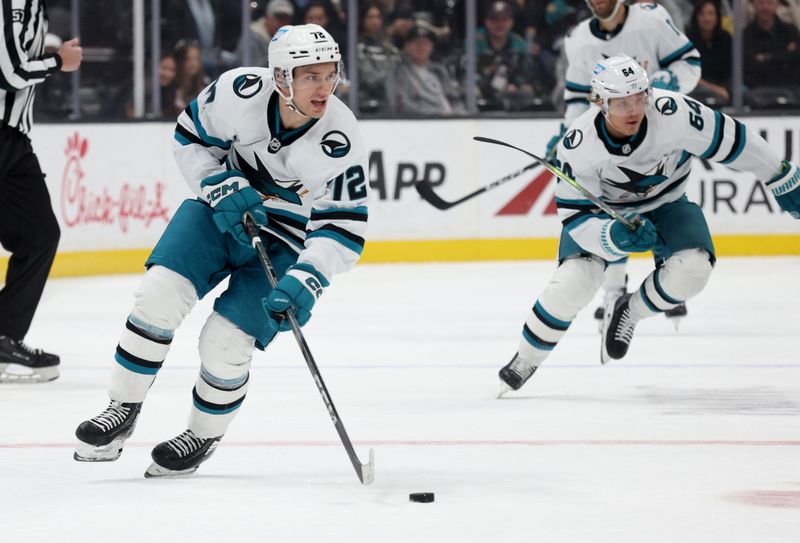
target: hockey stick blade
<point>425,189</point>
<point>365,472</point>
<point>564,177</point>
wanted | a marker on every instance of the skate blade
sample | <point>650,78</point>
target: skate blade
<point>158,471</point>
<point>604,357</point>
<point>27,376</point>
<point>676,322</point>
<point>85,452</point>
<point>504,389</point>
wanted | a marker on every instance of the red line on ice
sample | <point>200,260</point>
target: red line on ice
<point>467,443</point>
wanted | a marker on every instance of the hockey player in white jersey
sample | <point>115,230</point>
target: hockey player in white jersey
<point>273,142</point>
<point>633,151</point>
<point>644,31</point>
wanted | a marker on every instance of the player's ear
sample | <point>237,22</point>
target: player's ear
<point>279,77</point>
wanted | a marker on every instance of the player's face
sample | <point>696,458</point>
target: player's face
<point>626,114</point>
<point>313,86</point>
<point>603,8</point>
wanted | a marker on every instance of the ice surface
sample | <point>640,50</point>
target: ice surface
<point>694,437</point>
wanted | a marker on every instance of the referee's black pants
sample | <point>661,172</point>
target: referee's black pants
<point>28,230</point>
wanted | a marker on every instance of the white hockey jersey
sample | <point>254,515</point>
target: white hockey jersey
<point>313,178</point>
<point>652,167</point>
<point>647,34</point>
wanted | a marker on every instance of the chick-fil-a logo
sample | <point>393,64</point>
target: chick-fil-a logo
<point>80,205</point>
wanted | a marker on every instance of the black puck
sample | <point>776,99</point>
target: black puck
<point>421,497</point>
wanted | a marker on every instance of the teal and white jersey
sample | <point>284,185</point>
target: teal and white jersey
<point>647,35</point>
<point>651,168</point>
<point>313,178</point>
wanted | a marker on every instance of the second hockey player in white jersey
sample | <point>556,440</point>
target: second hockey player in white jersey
<point>645,32</point>
<point>275,143</point>
<point>633,150</point>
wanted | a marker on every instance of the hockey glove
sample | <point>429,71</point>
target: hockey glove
<point>666,80</point>
<point>298,289</point>
<point>786,189</point>
<point>552,144</point>
<point>230,196</point>
<point>638,240</point>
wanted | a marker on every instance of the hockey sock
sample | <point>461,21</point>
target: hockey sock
<point>140,353</point>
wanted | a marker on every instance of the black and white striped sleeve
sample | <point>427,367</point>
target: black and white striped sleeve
<point>17,71</point>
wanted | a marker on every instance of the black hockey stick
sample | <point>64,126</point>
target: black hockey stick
<point>366,472</point>
<point>561,175</point>
<point>425,189</point>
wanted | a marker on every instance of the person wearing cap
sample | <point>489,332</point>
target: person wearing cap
<point>505,66</point>
<point>417,86</point>
<point>277,14</point>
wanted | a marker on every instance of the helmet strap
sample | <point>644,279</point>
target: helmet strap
<point>289,100</point>
<point>613,12</point>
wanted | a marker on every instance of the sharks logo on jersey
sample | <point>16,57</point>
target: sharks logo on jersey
<point>666,105</point>
<point>573,139</point>
<point>261,180</point>
<point>247,85</point>
<point>335,144</point>
<point>640,183</point>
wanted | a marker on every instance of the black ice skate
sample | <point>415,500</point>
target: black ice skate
<point>676,315</point>
<point>21,364</point>
<point>617,332</point>
<point>181,455</point>
<point>101,438</point>
<point>611,296</point>
<point>515,374</point>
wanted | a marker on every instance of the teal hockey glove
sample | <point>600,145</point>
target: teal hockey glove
<point>786,188</point>
<point>666,80</point>
<point>298,289</point>
<point>639,240</point>
<point>230,196</point>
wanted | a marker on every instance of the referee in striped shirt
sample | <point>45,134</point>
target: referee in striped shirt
<point>28,227</point>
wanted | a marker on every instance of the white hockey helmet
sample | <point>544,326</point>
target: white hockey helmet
<point>617,5</point>
<point>301,45</point>
<point>617,77</point>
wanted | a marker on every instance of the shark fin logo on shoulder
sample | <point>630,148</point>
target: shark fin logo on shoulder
<point>247,85</point>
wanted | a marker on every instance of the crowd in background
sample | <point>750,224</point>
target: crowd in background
<point>411,54</point>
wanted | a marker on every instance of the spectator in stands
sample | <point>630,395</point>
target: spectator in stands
<point>276,14</point>
<point>417,86</point>
<point>771,55</point>
<point>505,67</point>
<point>214,24</point>
<point>400,20</point>
<point>377,56</point>
<point>167,73</point>
<point>324,14</point>
<point>190,78</point>
<point>167,78</point>
<point>679,10</point>
<point>714,44</point>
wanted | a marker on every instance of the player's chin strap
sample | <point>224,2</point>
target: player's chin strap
<point>613,14</point>
<point>289,100</point>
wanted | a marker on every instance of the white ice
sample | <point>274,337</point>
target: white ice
<point>693,438</point>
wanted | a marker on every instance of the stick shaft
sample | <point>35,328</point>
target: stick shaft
<point>269,270</point>
<point>561,175</point>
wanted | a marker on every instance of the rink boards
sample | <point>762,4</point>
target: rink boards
<point>115,186</point>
